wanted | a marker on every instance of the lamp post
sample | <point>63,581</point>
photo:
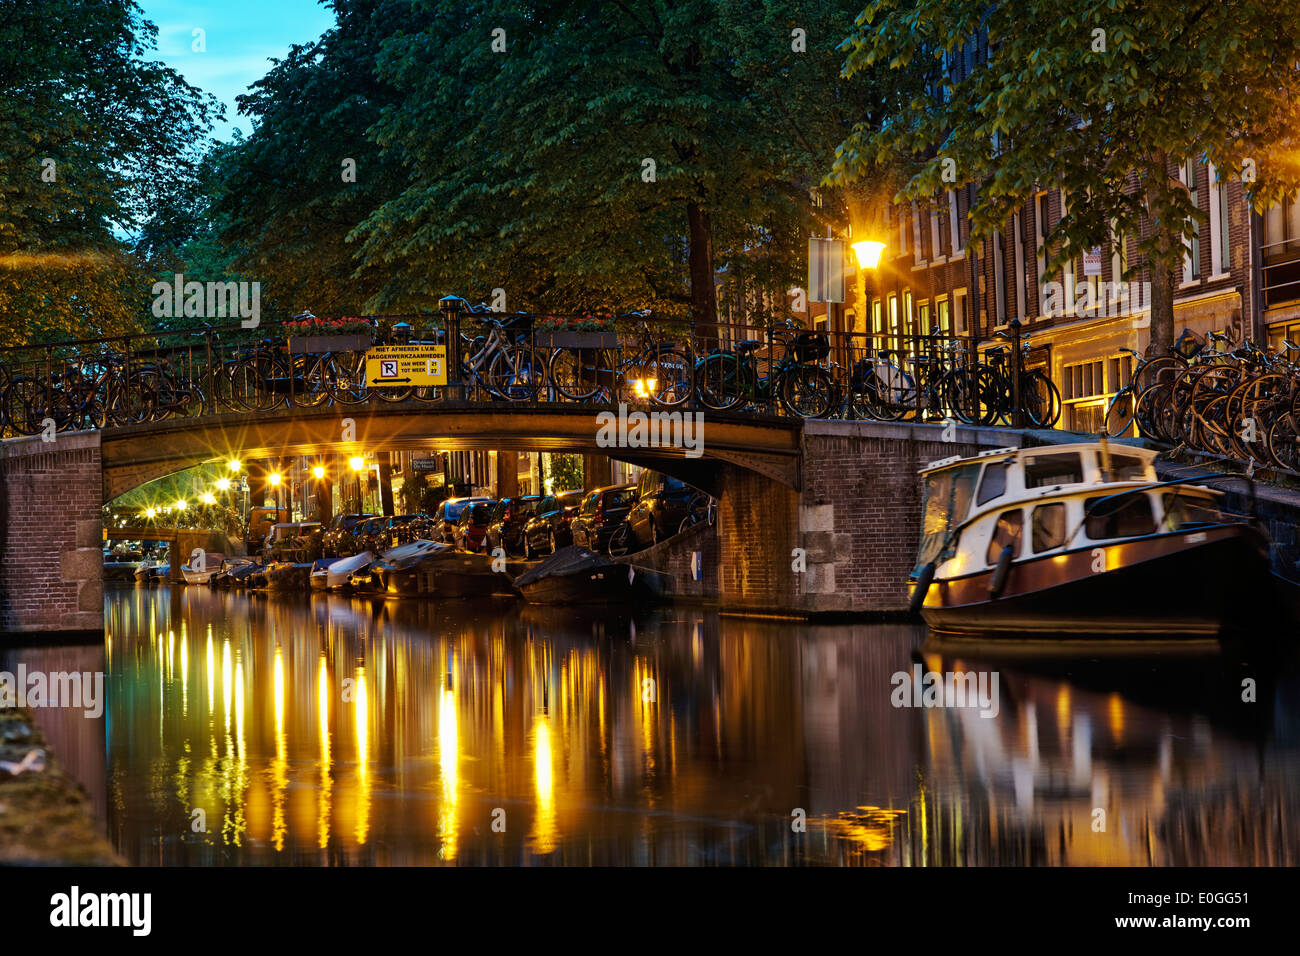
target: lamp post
<point>452,308</point>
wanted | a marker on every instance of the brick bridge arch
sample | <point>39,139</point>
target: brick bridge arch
<point>844,492</point>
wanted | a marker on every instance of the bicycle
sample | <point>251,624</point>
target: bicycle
<point>726,379</point>
<point>661,369</point>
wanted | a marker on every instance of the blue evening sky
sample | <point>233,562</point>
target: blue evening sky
<point>241,35</point>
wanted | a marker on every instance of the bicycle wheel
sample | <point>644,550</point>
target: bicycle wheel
<point>669,368</point>
<point>1041,400</point>
<point>718,379</point>
<point>1120,412</point>
<point>1149,403</point>
<point>517,373</point>
<point>806,391</point>
<point>26,400</point>
<point>347,381</point>
<point>972,395</point>
<point>620,542</point>
<point>894,391</point>
<point>574,373</point>
<point>318,374</point>
<point>1282,443</point>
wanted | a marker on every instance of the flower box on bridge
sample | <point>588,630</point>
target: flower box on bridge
<point>301,344</point>
<point>576,340</point>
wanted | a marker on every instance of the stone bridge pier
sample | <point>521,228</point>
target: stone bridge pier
<point>845,541</point>
<point>51,535</point>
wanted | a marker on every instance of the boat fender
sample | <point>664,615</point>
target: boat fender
<point>1000,572</point>
<point>922,587</point>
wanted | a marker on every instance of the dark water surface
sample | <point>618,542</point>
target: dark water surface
<point>328,730</point>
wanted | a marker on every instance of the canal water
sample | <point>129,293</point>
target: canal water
<point>244,729</point>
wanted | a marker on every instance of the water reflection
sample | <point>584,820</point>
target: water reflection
<point>335,731</point>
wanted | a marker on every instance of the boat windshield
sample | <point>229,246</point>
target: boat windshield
<point>947,502</point>
<point>1184,510</point>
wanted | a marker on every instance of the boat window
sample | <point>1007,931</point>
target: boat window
<point>994,482</point>
<point>1118,517</point>
<point>1126,468</point>
<point>1049,526</point>
<point>1044,470</point>
<point>1189,511</point>
<point>948,496</point>
<point>1007,532</point>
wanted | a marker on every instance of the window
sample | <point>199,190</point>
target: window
<point>1042,471</point>
<point>1127,468</point>
<point>877,326</point>
<point>893,316</point>
<point>1005,532</point>
<point>999,278</point>
<point>1192,259</point>
<point>1016,226</point>
<point>1184,511</point>
<point>959,311</point>
<point>941,315</point>
<point>923,317</point>
<point>993,484</point>
<point>947,502</point>
<point>1219,261</point>
<point>1048,526</point>
<point>954,223</point>
<point>1124,517</point>
<point>1040,247</point>
<point>908,328</point>
<point>936,236</point>
<point>916,233</point>
<point>903,230</point>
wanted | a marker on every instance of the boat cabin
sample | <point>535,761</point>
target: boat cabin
<point>1053,499</point>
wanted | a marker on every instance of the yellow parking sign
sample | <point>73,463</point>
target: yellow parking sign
<point>418,366</point>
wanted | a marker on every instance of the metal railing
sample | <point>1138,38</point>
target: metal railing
<point>495,359</point>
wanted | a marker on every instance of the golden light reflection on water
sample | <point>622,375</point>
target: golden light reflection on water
<point>338,731</point>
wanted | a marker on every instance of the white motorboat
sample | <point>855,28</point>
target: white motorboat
<point>338,573</point>
<point>203,574</point>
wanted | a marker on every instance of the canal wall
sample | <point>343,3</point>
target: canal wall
<point>51,534</point>
<point>688,554</point>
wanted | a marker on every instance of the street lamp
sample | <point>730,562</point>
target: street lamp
<point>868,252</point>
<point>233,465</point>
<point>274,478</point>
<point>209,498</point>
<point>223,484</point>
<point>357,463</point>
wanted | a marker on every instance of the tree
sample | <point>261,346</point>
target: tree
<point>1100,100</point>
<point>609,156</point>
<point>94,133</point>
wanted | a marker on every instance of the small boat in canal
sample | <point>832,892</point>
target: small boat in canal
<point>212,562</point>
<point>431,569</point>
<point>334,574</point>
<point>288,576</point>
<point>235,573</point>
<point>1083,539</point>
<point>574,575</point>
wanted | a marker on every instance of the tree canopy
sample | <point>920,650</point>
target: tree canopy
<point>1098,99</point>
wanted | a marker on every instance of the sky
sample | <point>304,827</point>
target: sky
<point>240,36</point>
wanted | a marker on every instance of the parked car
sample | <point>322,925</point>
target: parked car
<point>471,527</point>
<point>294,541</point>
<point>337,542</point>
<point>368,535</point>
<point>602,511</point>
<point>661,503</point>
<point>260,523</point>
<point>506,529</point>
<point>448,513</point>
<point>403,529</point>
<point>549,531</point>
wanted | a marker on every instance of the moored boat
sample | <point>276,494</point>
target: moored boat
<point>574,575</point>
<point>288,576</point>
<point>431,569</point>
<point>334,574</point>
<point>1083,539</point>
<point>212,562</point>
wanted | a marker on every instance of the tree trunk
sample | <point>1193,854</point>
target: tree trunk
<point>704,297</point>
<point>385,484</point>
<point>1168,238</point>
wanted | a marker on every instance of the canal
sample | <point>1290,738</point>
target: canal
<point>243,729</point>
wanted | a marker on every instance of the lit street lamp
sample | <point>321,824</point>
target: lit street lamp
<point>868,252</point>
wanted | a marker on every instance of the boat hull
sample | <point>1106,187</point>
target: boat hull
<point>605,585</point>
<point>1187,583</point>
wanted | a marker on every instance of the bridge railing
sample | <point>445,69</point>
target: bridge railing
<point>765,369</point>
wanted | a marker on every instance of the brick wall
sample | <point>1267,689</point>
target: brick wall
<point>51,534</point>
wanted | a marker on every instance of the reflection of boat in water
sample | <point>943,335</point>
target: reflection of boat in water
<point>574,575</point>
<point>430,569</point>
<point>1082,539</point>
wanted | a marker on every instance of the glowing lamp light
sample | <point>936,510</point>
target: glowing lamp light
<point>644,387</point>
<point>868,253</point>
<point>357,463</point>
<point>150,512</point>
<point>223,484</point>
<point>209,498</point>
<point>233,464</point>
<point>181,505</point>
<point>319,472</point>
<point>274,478</point>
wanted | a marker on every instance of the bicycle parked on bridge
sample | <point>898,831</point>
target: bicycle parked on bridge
<point>659,372</point>
<point>730,378</point>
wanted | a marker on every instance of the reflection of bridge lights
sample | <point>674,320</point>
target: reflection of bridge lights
<point>223,484</point>
<point>273,478</point>
<point>357,463</point>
